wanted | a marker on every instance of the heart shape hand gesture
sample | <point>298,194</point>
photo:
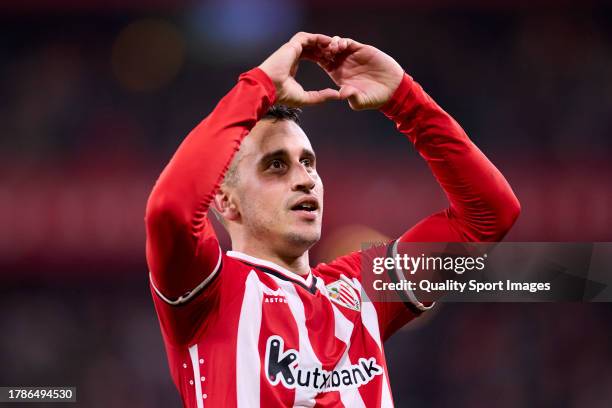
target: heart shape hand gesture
<point>367,77</point>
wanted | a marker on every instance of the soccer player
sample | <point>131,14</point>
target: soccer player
<point>257,326</point>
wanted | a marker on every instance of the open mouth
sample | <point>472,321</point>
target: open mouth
<point>309,205</point>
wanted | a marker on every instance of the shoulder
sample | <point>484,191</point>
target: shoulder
<point>234,270</point>
<point>348,265</point>
<point>353,264</point>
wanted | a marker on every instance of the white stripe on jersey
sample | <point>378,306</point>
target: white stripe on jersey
<point>343,331</point>
<point>370,321</point>
<point>350,397</point>
<point>343,327</point>
<point>195,365</point>
<point>247,361</point>
<point>308,359</point>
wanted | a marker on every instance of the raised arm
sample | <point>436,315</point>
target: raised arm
<point>182,250</point>
<point>482,204</point>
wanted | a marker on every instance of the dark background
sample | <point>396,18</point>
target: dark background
<point>97,95</point>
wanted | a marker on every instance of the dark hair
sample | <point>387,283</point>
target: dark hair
<point>282,112</point>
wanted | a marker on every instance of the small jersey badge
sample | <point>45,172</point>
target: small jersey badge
<point>343,294</point>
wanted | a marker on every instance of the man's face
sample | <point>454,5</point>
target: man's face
<point>277,191</point>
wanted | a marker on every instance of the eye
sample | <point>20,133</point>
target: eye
<point>276,164</point>
<point>306,162</point>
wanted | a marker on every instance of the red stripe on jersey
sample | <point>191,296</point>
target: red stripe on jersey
<point>266,280</point>
<point>329,399</point>
<point>320,322</point>
<point>275,323</point>
<point>221,339</point>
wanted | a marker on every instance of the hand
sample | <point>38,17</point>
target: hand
<point>367,76</point>
<point>282,66</point>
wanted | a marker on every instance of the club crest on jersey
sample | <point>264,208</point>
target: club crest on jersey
<point>342,293</point>
<point>282,367</point>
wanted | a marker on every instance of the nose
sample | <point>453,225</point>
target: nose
<point>304,180</point>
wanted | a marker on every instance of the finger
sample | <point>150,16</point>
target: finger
<point>342,44</point>
<point>304,39</point>
<point>355,101</point>
<point>332,46</point>
<point>335,44</point>
<point>316,97</point>
<point>328,54</point>
<point>339,46</point>
<point>348,91</point>
<point>315,55</point>
<point>353,45</point>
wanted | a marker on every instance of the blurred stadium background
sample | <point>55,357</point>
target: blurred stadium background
<point>96,96</point>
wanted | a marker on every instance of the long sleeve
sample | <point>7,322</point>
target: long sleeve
<point>482,204</point>
<point>182,249</point>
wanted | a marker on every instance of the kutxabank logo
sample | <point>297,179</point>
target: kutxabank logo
<point>282,367</point>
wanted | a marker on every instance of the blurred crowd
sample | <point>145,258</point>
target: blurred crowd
<point>94,103</point>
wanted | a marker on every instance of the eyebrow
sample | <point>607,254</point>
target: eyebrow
<point>284,153</point>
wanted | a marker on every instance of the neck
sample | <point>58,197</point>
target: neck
<point>298,264</point>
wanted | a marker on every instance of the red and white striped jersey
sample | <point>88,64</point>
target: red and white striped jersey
<point>268,337</point>
<point>243,332</point>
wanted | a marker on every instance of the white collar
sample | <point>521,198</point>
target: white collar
<point>262,262</point>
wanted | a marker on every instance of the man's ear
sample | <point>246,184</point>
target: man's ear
<point>224,204</point>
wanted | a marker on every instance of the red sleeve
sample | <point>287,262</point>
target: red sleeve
<point>482,204</point>
<point>482,207</point>
<point>182,249</point>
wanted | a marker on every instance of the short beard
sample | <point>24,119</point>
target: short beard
<point>294,243</point>
<point>302,242</point>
